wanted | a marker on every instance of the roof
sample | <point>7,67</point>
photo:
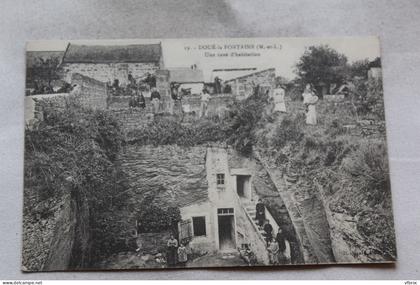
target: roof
<point>186,75</point>
<point>250,74</point>
<point>228,74</point>
<point>34,57</point>
<point>112,54</point>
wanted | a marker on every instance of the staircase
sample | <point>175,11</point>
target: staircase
<point>293,210</point>
<point>251,212</point>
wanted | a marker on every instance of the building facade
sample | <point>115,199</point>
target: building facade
<point>243,86</point>
<point>109,63</point>
<point>221,223</point>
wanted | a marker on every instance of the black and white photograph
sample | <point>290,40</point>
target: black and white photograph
<point>205,152</point>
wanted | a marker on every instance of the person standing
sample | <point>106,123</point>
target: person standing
<point>182,255</point>
<point>310,100</point>
<point>281,242</point>
<point>132,103</point>
<point>155,98</point>
<point>260,213</point>
<point>150,80</point>
<point>171,253</point>
<point>218,85</point>
<point>176,98</point>
<point>141,101</point>
<point>273,251</point>
<point>278,98</point>
<point>205,97</point>
<point>294,248</point>
<point>268,229</point>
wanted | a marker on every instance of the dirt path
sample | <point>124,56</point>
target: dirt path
<point>218,260</point>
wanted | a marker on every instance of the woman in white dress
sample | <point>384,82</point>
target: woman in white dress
<point>310,100</point>
<point>278,98</point>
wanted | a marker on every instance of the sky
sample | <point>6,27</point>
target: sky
<point>220,53</point>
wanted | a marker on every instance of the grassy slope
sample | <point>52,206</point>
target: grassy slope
<point>348,171</point>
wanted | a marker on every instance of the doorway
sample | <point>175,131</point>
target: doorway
<point>226,232</point>
<point>243,186</point>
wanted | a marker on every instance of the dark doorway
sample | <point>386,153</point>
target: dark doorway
<point>226,232</point>
<point>242,186</point>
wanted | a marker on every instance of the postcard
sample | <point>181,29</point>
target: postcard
<point>189,153</point>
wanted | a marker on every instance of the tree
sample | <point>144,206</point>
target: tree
<point>43,72</point>
<point>358,68</point>
<point>321,66</point>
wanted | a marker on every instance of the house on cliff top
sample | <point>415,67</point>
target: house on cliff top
<point>109,62</point>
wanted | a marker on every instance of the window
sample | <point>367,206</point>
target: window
<point>225,211</point>
<point>199,226</point>
<point>220,179</point>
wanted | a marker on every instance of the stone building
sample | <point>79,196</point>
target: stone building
<point>243,85</point>
<point>190,80</point>
<point>107,63</point>
<point>225,220</point>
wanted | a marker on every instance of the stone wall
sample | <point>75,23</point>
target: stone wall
<point>122,102</point>
<point>93,93</point>
<point>218,104</point>
<point>131,119</point>
<point>201,244</point>
<point>108,72</point>
<point>248,234</point>
<point>60,241</point>
<point>243,86</point>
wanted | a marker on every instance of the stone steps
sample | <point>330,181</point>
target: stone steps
<point>251,212</point>
<point>292,208</point>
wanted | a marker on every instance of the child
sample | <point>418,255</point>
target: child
<point>182,255</point>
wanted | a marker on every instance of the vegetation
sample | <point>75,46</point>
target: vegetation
<point>166,131</point>
<point>348,170</point>
<point>73,151</point>
<point>42,73</point>
<point>237,128</point>
<point>321,65</point>
<point>156,219</point>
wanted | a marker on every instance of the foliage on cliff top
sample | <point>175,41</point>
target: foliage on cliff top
<point>166,131</point>
<point>238,127</point>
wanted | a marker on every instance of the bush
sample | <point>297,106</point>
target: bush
<point>238,128</point>
<point>369,96</point>
<point>369,167</point>
<point>244,119</point>
<point>290,130</point>
<point>154,219</point>
<point>165,131</point>
<point>74,150</point>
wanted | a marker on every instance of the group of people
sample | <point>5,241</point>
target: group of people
<point>276,245</point>
<point>136,89</point>
<point>221,87</point>
<point>176,255</point>
<point>310,100</point>
<point>137,100</point>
